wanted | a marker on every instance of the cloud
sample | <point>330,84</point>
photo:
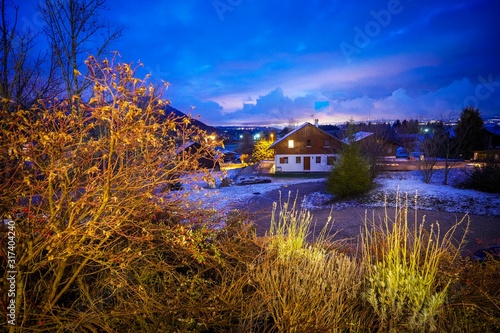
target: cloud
<point>274,108</point>
<point>442,103</point>
<point>278,108</point>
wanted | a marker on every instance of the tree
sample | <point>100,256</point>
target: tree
<point>486,178</point>
<point>373,148</point>
<point>431,148</point>
<point>449,149</point>
<point>74,30</point>
<point>246,144</point>
<point>261,150</point>
<point>470,132</point>
<point>350,175</point>
<point>25,75</point>
<point>94,232</point>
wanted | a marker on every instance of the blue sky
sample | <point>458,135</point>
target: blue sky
<point>266,62</point>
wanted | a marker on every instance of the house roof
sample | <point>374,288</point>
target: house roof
<point>357,137</point>
<point>297,130</point>
<point>493,129</point>
<point>226,152</point>
<point>185,146</point>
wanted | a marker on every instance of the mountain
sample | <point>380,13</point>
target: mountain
<point>201,125</point>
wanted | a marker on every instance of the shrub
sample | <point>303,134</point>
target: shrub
<point>80,181</point>
<point>350,175</point>
<point>474,298</point>
<point>486,179</point>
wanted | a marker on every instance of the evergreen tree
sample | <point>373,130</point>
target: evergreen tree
<point>350,175</point>
<point>470,132</point>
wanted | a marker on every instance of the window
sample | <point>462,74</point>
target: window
<point>330,160</point>
<point>297,159</point>
<point>318,159</point>
<point>326,143</point>
<point>308,143</point>
<point>291,144</point>
<point>283,160</point>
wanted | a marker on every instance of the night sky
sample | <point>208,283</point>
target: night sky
<point>265,62</point>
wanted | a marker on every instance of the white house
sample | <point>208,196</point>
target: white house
<point>305,149</point>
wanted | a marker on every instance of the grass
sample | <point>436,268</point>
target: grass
<point>405,276</point>
<point>303,286</point>
<point>403,261</point>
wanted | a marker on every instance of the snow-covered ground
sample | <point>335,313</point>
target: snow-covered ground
<point>226,198</point>
<point>432,196</point>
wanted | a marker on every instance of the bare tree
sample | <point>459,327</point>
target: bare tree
<point>25,74</point>
<point>430,147</point>
<point>450,146</point>
<point>374,148</point>
<point>450,152</point>
<point>74,30</point>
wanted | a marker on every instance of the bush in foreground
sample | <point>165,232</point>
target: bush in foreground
<point>80,180</point>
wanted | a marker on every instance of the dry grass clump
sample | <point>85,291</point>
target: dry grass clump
<point>402,259</point>
<point>299,286</point>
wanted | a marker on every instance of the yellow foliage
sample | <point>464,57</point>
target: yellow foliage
<point>79,185</point>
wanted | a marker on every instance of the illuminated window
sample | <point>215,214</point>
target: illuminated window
<point>291,144</point>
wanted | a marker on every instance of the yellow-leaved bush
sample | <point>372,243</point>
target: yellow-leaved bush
<point>88,186</point>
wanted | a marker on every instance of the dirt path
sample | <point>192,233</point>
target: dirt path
<point>483,231</point>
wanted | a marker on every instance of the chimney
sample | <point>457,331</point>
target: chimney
<point>316,122</point>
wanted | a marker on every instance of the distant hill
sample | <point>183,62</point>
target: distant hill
<point>201,125</point>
